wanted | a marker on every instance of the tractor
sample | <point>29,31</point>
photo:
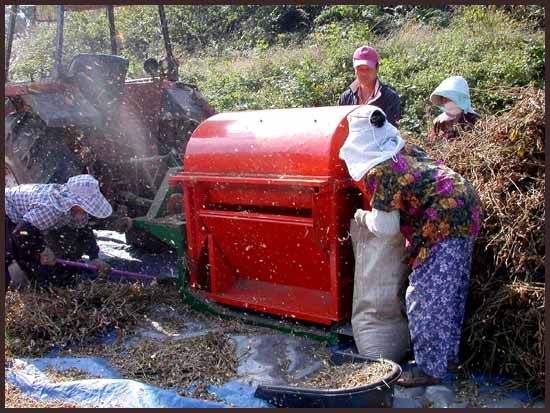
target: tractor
<point>88,118</point>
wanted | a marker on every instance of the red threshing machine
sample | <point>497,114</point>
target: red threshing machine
<point>268,205</point>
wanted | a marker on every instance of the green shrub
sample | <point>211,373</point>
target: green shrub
<point>483,44</point>
<point>256,57</point>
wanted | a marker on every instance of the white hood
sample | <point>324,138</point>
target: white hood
<point>366,145</point>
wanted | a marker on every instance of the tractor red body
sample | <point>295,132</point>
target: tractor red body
<point>94,120</point>
<point>88,118</point>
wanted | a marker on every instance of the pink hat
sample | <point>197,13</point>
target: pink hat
<point>365,55</point>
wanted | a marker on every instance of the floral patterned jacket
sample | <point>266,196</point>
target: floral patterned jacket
<point>435,203</point>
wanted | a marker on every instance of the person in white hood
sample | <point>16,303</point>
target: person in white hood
<point>438,212</point>
<point>452,96</point>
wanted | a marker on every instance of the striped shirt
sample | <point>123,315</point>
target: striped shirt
<point>32,203</point>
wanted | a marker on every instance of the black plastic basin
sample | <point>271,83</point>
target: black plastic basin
<point>379,394</point>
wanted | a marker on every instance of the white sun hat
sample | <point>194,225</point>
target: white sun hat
<point>82,191</point>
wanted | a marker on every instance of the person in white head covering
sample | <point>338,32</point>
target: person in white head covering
<point>452,96</point>
<point>438,213</point>
<point>34,209</point>
<point>371,140</point>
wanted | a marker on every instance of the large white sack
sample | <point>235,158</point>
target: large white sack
<point>380,328</point>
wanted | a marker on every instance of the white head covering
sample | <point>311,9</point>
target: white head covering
<point>82,191</point>
<point>367,145</point>
<point>456,89</point>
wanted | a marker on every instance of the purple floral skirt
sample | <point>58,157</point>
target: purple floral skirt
<point>436,299</point>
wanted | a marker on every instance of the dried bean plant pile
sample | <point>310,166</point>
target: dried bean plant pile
<point>348,375</point>
<point>503,156</point>
<point>39,320</point>
<point>171,364</point>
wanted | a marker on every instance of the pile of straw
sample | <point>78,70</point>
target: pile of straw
<point>171,363</point>
<point>39,320</point>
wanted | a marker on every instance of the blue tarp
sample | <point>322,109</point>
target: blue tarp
<point>111,391</point>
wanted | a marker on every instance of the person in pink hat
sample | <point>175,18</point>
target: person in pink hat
<point>34,209</point>
<point>367,89</point>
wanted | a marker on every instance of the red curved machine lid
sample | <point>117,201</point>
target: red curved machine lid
<point>280,142</point>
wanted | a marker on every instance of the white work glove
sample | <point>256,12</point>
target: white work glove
<point>103,269</point>
<point>47,257</point>
<point>361,217</point>
<point>380,223</point>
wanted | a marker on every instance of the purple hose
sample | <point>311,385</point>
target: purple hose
<point>125,274</point>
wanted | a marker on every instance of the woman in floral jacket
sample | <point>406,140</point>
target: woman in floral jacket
<point>438,213</point>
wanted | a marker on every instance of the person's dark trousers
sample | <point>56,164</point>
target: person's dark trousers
<point>24,244</point>
<point>70,244</point>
